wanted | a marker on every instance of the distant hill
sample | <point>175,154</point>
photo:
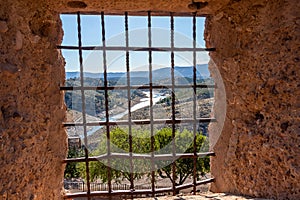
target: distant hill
<point>187,72</point>
<point>158,74</point>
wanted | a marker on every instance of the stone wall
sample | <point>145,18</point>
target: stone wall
<point>32,139</point>
<point>257,55</point>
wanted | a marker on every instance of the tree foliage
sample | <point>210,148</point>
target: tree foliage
<point>71,170</point>
<point>141,144</point>
<point>184,166</point>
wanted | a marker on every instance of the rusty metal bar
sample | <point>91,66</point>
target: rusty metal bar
<point>140,13</point>
<point>194,106</point>
<point>184,186</point>
<point>150,49</point>
<point>129,102</point>
<point>140,122</point>
<point>83,104</point>
<point>106,102</point>
<point>173,104</point>
<point>134,87</point>
<point>114,48</point>
<point>157,157</point>
<point>136,192</point>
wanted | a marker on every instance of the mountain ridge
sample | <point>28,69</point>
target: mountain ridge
<point>157,74</point>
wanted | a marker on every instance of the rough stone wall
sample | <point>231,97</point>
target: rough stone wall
<point>32,140</point>
<point>258,48</point>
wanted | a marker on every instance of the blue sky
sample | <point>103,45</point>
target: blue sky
<point>115,36</point>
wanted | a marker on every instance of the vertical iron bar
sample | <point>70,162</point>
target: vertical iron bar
<point>194,104</point>
<point>106,103</point>
<point>83,106</point>
<point>129,102</point>
<point>151,105</point>
<point>173,106</point>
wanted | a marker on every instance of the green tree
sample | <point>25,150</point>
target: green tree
<point>184,143</point>
<point>141,144</point>
<point>71,170</point>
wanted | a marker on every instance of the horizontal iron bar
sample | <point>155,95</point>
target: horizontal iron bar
<point>138,122</point>
<point>137,192</point>
<point>134,87</point>
<point>188,185</point>
<point>140,156</point>
<point>140,13</point>
<point>147,49</point>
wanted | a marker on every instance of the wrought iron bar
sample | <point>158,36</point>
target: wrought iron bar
<point>142,87</point>
<point>157,157</point>
<point>106,103</point>
<point>129,102</point>
<point>139,122</point>
<point>173,104</point>
<point>83,105</point>
<point>150,49</point>
<point>113,48</point>
<point>194,106</point>
<point>140,13</point>
<point>137,192</point>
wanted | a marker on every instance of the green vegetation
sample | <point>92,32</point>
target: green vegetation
<point>184,166</point>
<point>71,170</point>
<point>141,144</point>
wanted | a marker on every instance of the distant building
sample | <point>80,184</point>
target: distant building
<point>74,142</point>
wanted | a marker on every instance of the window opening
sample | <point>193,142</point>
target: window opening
<point>109,108</point>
